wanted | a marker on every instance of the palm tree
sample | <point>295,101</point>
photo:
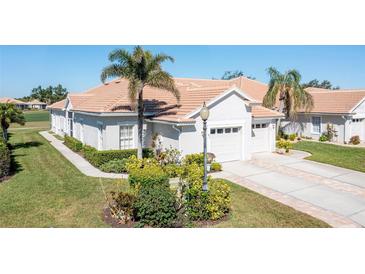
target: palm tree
<point>291,94</point>
<point>142,69</point>
<point>9,113</point>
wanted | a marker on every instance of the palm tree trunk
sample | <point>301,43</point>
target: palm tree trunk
<point>140,124</point>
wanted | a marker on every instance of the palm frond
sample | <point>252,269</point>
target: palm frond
<point>113,70</point>
<point>163,80</point>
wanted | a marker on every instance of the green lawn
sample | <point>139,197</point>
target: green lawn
<point>347,157</point>
<point>36,115</point>
<point>48,191</point>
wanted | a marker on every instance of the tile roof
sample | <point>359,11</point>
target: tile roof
<point>335,101</point>
<point>36,102</point>
<point>113,97</point>
<point>262,112</point>
<point>7,100</point>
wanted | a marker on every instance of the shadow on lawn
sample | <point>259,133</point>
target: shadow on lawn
<point>26,145</point>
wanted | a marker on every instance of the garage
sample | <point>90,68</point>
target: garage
<point>226,143</point>
<point>260,137</point>
<point>357,128</point>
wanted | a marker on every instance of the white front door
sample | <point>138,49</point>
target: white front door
<point>226,143</point>
<point>260,137</point>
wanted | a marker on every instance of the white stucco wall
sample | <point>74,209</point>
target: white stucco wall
<point>58,121</point>
<point>303,126</point>
<point>231,111</point>
<point>167,134</point>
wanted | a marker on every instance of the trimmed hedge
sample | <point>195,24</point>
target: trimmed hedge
<point>148,176</point>
<point>98,158</point>
<point>4,159</point>
<point>73,143</point>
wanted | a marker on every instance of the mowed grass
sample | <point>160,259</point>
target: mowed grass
<point>347,157</point>
<point>36,115</point>
<point>47,190</point>
<point>250,209</point>
<point>36,118</point>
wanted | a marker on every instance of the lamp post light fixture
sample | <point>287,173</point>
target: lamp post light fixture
<point>204,115</point>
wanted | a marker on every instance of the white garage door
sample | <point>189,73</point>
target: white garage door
<point>260,137</point>
<point>357,128</point>
<point>226,143</point>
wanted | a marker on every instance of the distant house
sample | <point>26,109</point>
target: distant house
<point>238,124</point>
<point>36,104</point>
<point>19,104</point>
<point>344,110</point>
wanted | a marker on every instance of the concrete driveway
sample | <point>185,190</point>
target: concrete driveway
<point>335,195</point>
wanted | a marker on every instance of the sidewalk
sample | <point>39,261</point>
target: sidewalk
<point>79,162</point>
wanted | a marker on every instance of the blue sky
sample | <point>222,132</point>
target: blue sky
<point>78,67</point>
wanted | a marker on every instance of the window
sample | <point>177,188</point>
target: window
<point>316,125</point>
<point>264,125</point>
<point>220,130</point>
<point>227,130</point>
<point>126,137</point>
<point>235,129</point>
<point>212,131</point>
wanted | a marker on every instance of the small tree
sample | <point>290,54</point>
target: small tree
<point>9,113</point>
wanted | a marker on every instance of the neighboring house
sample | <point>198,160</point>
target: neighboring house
<point>19,104</point>
<point>36,104</point>
<point>237,126</point>
<point>342,109</point>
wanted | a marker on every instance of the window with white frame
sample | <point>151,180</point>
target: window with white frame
<point>126,137</point>
<point>316,125</point>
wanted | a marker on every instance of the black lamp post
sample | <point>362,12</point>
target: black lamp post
<point>204,115</point>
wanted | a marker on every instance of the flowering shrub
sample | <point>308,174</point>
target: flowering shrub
<point>284,144</point>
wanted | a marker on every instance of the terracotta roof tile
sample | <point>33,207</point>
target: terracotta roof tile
<point>335,101</point>
<point>113,97</point>
<point>262,112</point>
<point>6,100</point>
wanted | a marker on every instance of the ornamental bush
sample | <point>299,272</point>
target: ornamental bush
<point>323,138</point>
<point>215,166</point>
<point>197,158</point>
<point>155,206</point>
<point>5,159</point>
<point>200,205</point>
<point>284,144</point>
<point>122,206</point>
<point>72,143</point>
<point>115,166</point>
<point>98,158</point>
<point>146,173</point>
<point>172,170</point>
<point>292,136</point>
<point>355,140</point>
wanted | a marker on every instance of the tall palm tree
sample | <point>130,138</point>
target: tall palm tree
<point>142,69</point>
<point>287,88</point>
<point>9,113</point>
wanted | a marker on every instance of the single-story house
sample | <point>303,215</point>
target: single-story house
<point>19,104</point>
<point>238,124</point>
<point>36,104</point>
<point>344,110</point>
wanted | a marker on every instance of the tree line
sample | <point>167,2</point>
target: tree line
<point>49,95</point>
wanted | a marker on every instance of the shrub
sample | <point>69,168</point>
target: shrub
<point>169,156</point>
<point>205,205</point>
<point>148,176</point>
<point>284,144</point>
<point>292,137</point>
<point>355,140</point>
<point>5,159</point>
<point>197,158</point>
<point>97,158</point>
<point>172,170</point>
<point>73,144</point>
<point>122,206</point>
<point>215,166</point>
<point>323,138</point>
<point>115,166</point>
<point>155,206</point>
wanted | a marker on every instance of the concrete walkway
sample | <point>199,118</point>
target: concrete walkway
<point>332,194</point>
<point>79,162</point>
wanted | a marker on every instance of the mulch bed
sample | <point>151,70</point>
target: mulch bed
<point>110,220</point>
